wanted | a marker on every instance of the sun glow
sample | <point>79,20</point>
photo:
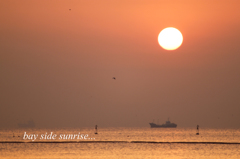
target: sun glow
<point>170,38</point>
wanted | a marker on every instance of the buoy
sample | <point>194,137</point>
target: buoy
<point>96,129</point>
<point>197,130</point>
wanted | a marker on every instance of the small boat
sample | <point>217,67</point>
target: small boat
<point>168,124</point>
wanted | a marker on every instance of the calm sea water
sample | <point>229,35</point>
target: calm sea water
<point>121,143</point>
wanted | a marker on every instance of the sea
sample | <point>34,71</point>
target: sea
<point>119,142</point>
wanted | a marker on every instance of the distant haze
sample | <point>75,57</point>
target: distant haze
<point>58,60</point>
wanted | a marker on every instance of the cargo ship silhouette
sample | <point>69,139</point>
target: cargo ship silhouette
<point>29,124</point>
<point>168,124</point>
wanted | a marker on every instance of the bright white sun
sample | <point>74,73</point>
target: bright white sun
<point>170,38</point>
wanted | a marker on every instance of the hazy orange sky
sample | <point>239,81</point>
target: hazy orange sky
<point>57,64</point>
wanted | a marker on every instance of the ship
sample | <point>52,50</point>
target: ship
<point>29,124</point>
<point>168,124</point>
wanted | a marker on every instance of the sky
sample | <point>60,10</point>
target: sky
<point>58,59</point>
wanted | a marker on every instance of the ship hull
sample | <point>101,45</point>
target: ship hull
<point>172,125</point>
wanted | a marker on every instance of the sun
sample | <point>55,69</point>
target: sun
<point>170,38</point>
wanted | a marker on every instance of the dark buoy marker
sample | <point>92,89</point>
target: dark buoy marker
<point>96,129</point>
<point>197,130</point>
